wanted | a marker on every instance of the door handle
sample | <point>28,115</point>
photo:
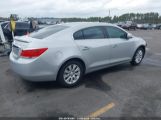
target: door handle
<point>114,46</point>
<point>85,48</point>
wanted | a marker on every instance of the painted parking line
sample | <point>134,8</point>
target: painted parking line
<point>101,110</point>
<point>147,38</point>
<point>147,49</point>
<point>158,54</point>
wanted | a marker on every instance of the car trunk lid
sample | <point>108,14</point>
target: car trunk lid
<point>21,43</point>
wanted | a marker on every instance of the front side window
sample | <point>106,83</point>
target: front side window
<point>114,32</point>
<point>93,33</point>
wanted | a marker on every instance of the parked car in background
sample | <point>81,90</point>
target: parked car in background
<point>66,52</point>
<point>120,24</point>
<point>129,25</point>
<point>146,26</point>
<point>22,28</point>
<point>2,21</point>
<point>158,27</point>
<point>153,26</point>
<point>5,47</point>
<point>2,25</point>
<point>139,26</point>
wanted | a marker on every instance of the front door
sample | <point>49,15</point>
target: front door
<point>94,46</point>
<point>121,48</point>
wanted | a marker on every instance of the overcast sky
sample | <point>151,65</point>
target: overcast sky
<point>76,8</point>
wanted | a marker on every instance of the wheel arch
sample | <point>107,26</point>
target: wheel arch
<point>141,46</point>
<point>74,59</point>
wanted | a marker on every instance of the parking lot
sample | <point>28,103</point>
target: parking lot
<point>120,91</point>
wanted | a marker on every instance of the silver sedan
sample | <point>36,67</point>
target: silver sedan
<point>65,52</point>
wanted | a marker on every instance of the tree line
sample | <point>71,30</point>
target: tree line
<point>151,17</point>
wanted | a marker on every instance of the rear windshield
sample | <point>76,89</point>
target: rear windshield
<point>46,32</point>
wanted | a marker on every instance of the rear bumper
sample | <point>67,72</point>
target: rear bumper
<point>33,69</point>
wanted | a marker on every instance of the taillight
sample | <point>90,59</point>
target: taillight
<point>27,34</point>
<point>33,53</point>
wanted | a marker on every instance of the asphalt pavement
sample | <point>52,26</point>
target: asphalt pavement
<point>120,91</point>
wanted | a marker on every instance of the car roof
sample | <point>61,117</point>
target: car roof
<point>85,24</point>
<point>75,26</point>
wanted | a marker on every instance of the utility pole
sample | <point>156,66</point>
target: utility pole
<point>109,14</point>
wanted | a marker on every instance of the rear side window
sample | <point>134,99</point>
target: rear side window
<point>46,32</point>
<point>93,33</point>
<point>115,32</point>
<point>78,35</point>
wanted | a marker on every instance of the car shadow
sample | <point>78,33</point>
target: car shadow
<point>94,80</point>
<point>32,86</point>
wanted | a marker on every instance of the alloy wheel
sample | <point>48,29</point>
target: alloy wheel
<point>72,74</point>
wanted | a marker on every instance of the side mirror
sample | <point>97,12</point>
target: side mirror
<point>129,36</point>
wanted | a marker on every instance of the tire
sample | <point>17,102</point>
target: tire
<point>138,56</point>
<point>70,73</point>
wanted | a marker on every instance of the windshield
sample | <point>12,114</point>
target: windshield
<point>46,32</point>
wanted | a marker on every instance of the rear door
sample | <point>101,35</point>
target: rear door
<point>94,46</point>
<point>121,48</point>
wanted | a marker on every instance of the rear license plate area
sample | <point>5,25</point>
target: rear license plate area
<point>16,51</point>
